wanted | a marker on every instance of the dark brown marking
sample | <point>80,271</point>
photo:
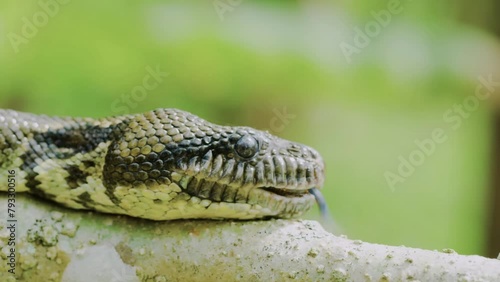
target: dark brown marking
<point>76,176</point>
<point>85,200</point>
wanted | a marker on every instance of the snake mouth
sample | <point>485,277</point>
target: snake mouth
<point>289,193</point>
<point>293,193</point>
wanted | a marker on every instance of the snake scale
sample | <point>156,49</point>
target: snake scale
<point>160,165</point>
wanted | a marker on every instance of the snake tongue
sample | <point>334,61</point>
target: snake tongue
<point>323,207</point>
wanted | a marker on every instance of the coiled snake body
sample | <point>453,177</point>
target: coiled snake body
<point>160,165</point>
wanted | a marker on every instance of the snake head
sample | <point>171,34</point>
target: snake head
<point>210,171</point>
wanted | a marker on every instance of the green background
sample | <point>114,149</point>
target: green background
<point>239,63</point>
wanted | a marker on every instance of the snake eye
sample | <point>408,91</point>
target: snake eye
<point>246,146</point>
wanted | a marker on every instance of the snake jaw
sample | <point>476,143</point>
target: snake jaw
<point>276,186</point>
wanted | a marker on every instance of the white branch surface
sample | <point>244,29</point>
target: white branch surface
<point>83,246</point>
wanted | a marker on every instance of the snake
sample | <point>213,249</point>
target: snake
<point>163,164</point>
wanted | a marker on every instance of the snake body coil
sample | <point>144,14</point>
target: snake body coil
<point>160,165</point>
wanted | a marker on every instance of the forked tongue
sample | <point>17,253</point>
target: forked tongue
<point>326,219</point>
<point>323,207</point>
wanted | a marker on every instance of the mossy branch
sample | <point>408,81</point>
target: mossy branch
<point>84,246</point>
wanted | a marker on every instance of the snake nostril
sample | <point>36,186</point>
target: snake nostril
<point>314,154</point>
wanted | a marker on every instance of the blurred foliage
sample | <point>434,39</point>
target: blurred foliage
<point>261,57</point>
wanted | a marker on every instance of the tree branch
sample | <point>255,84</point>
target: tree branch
<point>84,246</point>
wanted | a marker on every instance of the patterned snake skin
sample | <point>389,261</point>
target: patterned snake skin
<point>161,165</point>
